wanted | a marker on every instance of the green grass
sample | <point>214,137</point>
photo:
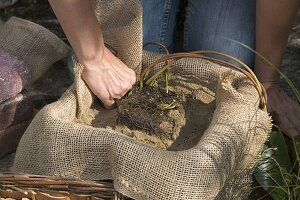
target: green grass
<point>278,169</point>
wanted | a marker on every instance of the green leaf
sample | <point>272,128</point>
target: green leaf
<point>268,175</point>
<point>282,154</point>
<point>295,155</point>
<point>273,167</point>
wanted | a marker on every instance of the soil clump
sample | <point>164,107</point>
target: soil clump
<point>175,120</point>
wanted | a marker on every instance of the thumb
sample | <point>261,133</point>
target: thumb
<point>109,103</point>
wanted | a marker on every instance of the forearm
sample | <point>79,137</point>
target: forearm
<point>274,20</point>
<point>105,75</point>
<point>81,28</point>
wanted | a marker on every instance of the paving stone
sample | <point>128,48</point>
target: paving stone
<point>15,110</point>
<point>14,76</point>
<point>6,3</point>
<point>10,137</point>
<point>7,162</point>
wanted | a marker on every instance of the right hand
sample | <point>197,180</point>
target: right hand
<point>109,78</point>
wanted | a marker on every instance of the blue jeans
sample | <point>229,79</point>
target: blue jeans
<point>207,23</point>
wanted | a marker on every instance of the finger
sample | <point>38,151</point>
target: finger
<point>117,89</point>
<point>287,126</point>
<point>292,132</point>
<point>294,119</point>
<point>109,103</point>
<point>296,110</point>
<point>126,90</point>
<point>133,78</point>
<point>118,97</point>
<point>126,73</point>
<point>105,98</point>
<point>293,114</point>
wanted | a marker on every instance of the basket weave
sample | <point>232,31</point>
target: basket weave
<point>18,186</point>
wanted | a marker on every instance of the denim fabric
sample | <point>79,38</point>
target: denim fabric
<point>207,23</point>
<point>159,22</point>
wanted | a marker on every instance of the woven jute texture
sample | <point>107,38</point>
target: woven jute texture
<point>32,44</point>
<point>121,25</point>
<point>219,166</point>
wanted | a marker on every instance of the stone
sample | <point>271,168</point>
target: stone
<point>17,109</point>
<point>6,3</point>
<point>10,137</point>
<point>7,162</point>
<point>14,76</point>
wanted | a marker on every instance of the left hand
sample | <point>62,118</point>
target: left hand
<point>284,110</point>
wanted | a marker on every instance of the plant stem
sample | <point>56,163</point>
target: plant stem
<point>290,83</point>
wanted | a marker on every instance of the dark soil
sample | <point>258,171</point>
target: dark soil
<point>153,111</point>
<point>173,121</point>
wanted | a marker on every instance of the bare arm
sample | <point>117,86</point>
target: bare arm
<point>107,76</point>
<point>274,20</point>
<point>80,25</point>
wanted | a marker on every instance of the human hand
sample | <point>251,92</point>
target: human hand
<point>108,78</point>
<point>284,110</point>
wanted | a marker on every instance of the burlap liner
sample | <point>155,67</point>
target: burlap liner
<point>218,167</point>
<point>33,44</point>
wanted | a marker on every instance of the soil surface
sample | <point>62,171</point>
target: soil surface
<point>58,78</point>
<point>173,121</point>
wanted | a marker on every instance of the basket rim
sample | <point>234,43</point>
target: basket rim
<point>30,185</point>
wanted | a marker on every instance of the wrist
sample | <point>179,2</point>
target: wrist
<point>271,84</point>
<point>267,76</point>
<point>92,58</point>
<point>98,60</point>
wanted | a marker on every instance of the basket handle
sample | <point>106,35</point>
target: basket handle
<point>246,71</point>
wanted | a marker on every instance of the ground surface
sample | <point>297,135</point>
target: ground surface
<point>59,78</point>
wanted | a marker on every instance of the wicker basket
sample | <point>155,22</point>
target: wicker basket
<point>36,187</point>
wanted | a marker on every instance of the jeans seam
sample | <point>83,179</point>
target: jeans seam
<point>186,26</point>
<point>164,22</point>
